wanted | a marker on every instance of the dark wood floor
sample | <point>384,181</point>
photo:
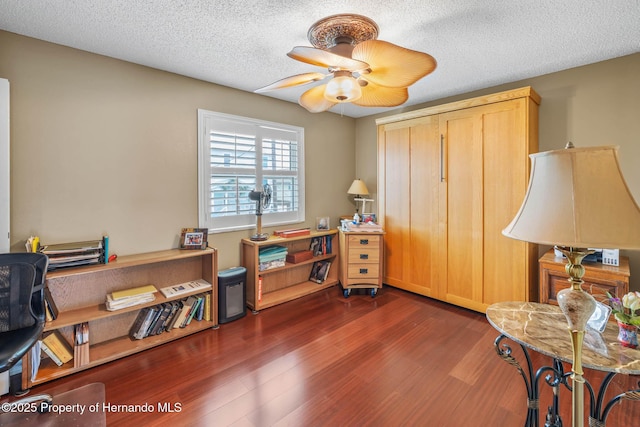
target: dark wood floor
<point>394,360</point>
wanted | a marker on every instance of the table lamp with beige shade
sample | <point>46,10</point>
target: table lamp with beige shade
<point>577,199</point>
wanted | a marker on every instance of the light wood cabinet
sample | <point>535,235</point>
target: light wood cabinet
<point>598,278</point>
<point>278,285</point>
<point>80,294</point>
<point>361,261</point>
<point>450,178</point>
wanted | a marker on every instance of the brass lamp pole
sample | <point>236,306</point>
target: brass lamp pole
<point>577,198</point>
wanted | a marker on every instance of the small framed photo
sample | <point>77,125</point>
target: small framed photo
<point>369,217</point>
<point>322,223</point>
<point>600,317</point>
<point>194,238</point>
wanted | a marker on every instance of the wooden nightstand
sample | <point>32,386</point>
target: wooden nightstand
<point>361,260</point>
<point>598,278</point>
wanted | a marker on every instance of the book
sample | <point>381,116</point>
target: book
<point>158,326</point>
<point>316,245</point>
<point>118,300</point>
<point>156,316</point>
<point>319,271</point>
<point>174,318</point>
<point>67,248</point>
<point>50,303</point>
<point>184,288</point>
<point>126,293</point>
<point>113,305</point>
<point>81,347</point>
<point>175,306</point>
<point>184,312</point>
<point>59,346</point>
<point>193,313</point>
<point>45,348</point>
<point>142,322</point>
<point>207,307</point>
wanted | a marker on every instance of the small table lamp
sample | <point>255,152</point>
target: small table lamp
<point>359,188</point>
<point>577,199</point>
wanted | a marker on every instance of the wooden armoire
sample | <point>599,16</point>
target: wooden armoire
<point>450,178</point>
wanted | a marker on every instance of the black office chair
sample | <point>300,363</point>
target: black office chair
<point>22,310</point>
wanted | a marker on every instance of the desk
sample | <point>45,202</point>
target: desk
<point>543,328</point>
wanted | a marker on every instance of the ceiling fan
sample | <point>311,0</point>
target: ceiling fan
<point>363,70</point>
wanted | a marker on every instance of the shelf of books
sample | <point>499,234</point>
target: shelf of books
<point>121,308</point>
<point>281,269</point>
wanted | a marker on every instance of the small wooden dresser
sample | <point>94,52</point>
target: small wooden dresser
<point>598,278</point>
<point>361,260</point>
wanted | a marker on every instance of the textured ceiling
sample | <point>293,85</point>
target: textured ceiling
<point>243,44</point>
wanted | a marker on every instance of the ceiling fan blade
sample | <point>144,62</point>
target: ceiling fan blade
<point>314,101</point>
<point>298,79</point>
<point>392,65</point>
<point>325,59</point>
<point>374,95</point>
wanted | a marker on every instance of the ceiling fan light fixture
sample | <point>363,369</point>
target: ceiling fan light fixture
<point>343,88</point>
<point>365,71</point>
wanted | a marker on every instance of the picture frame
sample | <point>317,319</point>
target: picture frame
<point>323,223</point>
<point>194,238</point>
<point>600,317</point>
<point>369,217</point>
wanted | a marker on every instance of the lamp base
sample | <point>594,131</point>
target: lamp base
<point>259,237</point>
<point>577,306</point>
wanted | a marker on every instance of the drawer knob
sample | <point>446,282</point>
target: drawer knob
<point>364,256</point>
<point>364,241</point>
<point>364,270</point>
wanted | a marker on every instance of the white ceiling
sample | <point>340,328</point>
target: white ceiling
<point>243,44</point>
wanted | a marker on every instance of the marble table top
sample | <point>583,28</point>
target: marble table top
<point>543,328</point>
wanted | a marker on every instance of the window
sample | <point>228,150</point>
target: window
<point>237,155</point>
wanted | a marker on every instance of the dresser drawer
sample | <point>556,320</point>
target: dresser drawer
<point>363,255</point>
<point>598,289</point>
<point>367,241</point>
<point>363,271</point>
<point>598,278</point>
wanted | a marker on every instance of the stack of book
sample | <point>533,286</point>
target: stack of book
<point>81,347</point>
<point>57,348</point>
<point>271,257</point>
<point>76,254</point>
<point>320,245</point>
<point>320,271</point>
<point>118,300</point>
<point>170,315</point>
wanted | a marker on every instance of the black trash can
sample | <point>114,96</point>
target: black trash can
<point>232,294</point>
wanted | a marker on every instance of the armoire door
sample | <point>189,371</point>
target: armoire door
<point>508,138</point>
<point>486,175</point>
<point>461,195</point>
<point>409,155</point>
<point>450,178</point>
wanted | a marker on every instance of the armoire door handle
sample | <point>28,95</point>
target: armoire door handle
<point>441,158</point>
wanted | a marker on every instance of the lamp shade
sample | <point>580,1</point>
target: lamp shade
<point>358,187</point>
<point>577,197</point>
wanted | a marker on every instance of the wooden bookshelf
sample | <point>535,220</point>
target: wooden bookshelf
<point>80,295</point>
<point>286,283</point>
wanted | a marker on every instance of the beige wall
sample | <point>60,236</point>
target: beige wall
<point>100,145</point>
<point>591,105</point>
<point>105,146</point>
